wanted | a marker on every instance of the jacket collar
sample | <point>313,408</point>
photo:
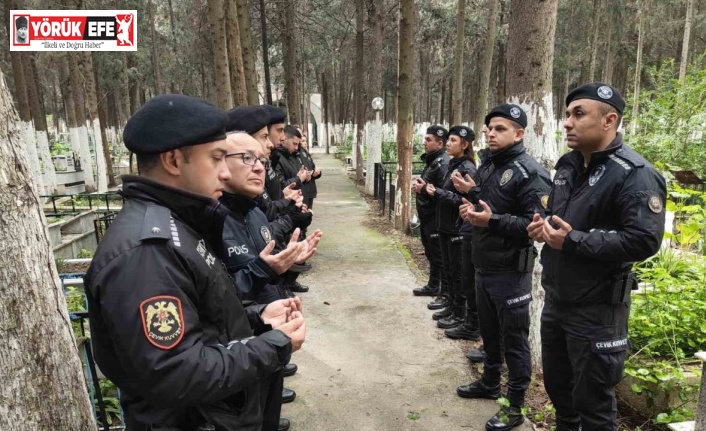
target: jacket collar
<point>201,213</point>
<point>597,157</point>
<point>501,157</point>
<point>238,204</point>
<point>456,162</point>
<point>429,158</point>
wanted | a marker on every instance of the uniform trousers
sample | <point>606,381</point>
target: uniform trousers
<point>432,250</point>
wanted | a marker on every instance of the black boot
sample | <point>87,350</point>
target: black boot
<point>476,355</point>
<point>479,389</point>
<point>426,291</point>
<point>296,287</point>
<point>449,322</point>
<point>283,424</point>
<point>288,395</point>
<point>441,314</point>
<point>505,419</point>
<point>463,332</point>
<point>290,370</point>
<point>438,303</point>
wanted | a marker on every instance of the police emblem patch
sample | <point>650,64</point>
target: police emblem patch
<point>655,204</point>
<point>463,133</point>
<point>605,92</point>
<point>515,112</point>
<point>265,232</point>
<point>596,175</point>
<point>439,133</point>
<point>507,176</point>
<point>163,321</point>
<point>545,201</point>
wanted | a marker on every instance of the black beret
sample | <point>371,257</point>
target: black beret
<point>21,22</point>
<point>438,131</point>
<point>509,111</point>
<point>277,116</point>
<point>463,132</point>
<point>248,119</point>
<point>600,92</point>
<point>173,121</point>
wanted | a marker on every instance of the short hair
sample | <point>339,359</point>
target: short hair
<point>605,109</point>
<point>291,131</point>
<point>147,161</point>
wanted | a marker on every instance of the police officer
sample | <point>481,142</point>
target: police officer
<point>460,149</point>
<point>436,163</point>
<point>167,326</point>
<point>607,207</point>
<point>309,188</point>
<point>509,189</point>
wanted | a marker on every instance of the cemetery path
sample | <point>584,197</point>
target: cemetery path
<point>373,359</point>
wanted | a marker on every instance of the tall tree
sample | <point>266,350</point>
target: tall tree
<point>104,165</point>
<point>29,136</point>
<point>530,53</point>
<point>249,54</point>
<point>289,47</point>
<point>235,56</point>
<point>638,66</point>
<point>155,50</point>
<point>595,39</point>
<point>87,162</point>
<point>176,75</point>
<point>36,105</point>
<point>457,85</point>
<point>688,22</point>
<point>486,65</point>
<point>43,382</point>
<point>69,103</point>
<point>359,88</point>
<point>216,18</point>
<point>265,53</point>
<point>405,124</point>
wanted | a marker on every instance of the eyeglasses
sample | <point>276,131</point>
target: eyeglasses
<point>249,159</point>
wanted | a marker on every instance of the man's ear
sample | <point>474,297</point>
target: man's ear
<point>611,120</point>
<point>519,134</point>
<point>171,162</point>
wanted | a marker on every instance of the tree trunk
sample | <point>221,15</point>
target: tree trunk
<point>265,54</point>
<point>248,52</point>
<point>155,50</point>
<point>608,66</point>
<point>177,80</point>
<point>375,49</point>
<point>485,67</point>
<point>102,154</point>
<point>217,22</point>
<point>36,106</point>
<point>638,69</point>
<point>29,135</point>
<point>530,49</point>
<point>69,103</point>
<point>43,383</point>
<point>457,95</point>
<point>597,7</point>
<point>289,47</point>
<point>405,124</point>
<point>87,161</point>
<point>133,89</point>
<point>688,22</point>
<point>102,111</point>
<point>235,56</point>
<point>442,101</point>
<point>325,104</point>
<point>359,88</point>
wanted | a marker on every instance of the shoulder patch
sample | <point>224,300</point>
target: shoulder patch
<point>157,223</point>
<point>163,321</point>
<point>655,203</point>
<point>631,156</point>
<point>622,162</point>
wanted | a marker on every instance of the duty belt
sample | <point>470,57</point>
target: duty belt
<point>621,286</point>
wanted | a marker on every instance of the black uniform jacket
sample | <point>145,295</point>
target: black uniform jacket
<point>435,166</point>
<point>513,185</point>
<point>167,326</point>
<point>287,167</point>
<point>309,188</point>
<point>449,199</point>
<point>616,210</point>
<point>245,234</point>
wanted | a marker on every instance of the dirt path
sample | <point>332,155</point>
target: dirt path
<point>373,360</point>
